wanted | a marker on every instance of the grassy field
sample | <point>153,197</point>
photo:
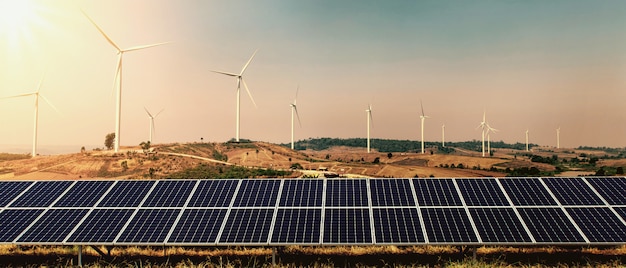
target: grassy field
<point>297,256</point>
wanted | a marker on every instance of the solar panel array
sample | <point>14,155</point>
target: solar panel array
<point>462,211</point>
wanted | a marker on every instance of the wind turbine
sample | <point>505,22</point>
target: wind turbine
<point>489,129</point>
<point>423,118</point>
<point>369,118</point>
<point>526,140</point>
<point>37,96</point>
<point>151,117</point>
<point>483,125</point>
<point>294,110</point>
<point>239,82</point>
<point>118,77</point>
<point>443,135</point>
<point>558,138</point>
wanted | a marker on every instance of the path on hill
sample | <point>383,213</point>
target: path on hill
<point>198,157</point>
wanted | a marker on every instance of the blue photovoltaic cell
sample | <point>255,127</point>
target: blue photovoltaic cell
<point>612,189</point>
<point>101,226</point>
<point>397,226</point>
<point>257,193</point>
<point>14,221</point>
<point>527,192</point>
<point>572,191</point>
<point>346,193</point>
<point>297,226</point>
<point>621,211</point>
<point>347,226</point>
<point>84,194</point>
<point>53,226</point>
<point>499,225</point>
<point>481,192</point>
<point>149,226</point>
<point>391,192</point>
<point>302,193</point>
<point>550,225</point>
<point>126,194</point>
<point>213,193</point>
<point>448,225</point>
<point>11,189</point>
<point>247,226</point>
<point>599,224</point>
<point>170,194</point>
<point>198,226</point>
<point>436,192</point>
<point>42,194</point>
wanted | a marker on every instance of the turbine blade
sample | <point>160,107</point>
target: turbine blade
<point>102,32</point>
<point>144,46</point>
<point>17,96</point>
<point>248,63</point>
<point>49,103</point>
<point>220,72</point>
<point>247,90</point>
<point>40,82</point>
<point>422,105</point>
<point>297,115</point>
<point>149,114</point>
<point>159,112</point>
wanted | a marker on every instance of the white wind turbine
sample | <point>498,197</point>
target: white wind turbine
<point>37,96</point>
<point>369,118</point>
<point>443,135</point>
<point>118,77</point>
<point>151,117</point>
<point>526,140</point>
<point>558,138</point>
<point>489,129</point>
<point>483,125</point>
<point>239,82</point>
<point>294,110</point>
<point>423,118</point>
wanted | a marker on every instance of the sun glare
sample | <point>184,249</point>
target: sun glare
<point>15,17</point>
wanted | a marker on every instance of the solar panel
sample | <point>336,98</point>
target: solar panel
<point>499,225</point>
<point>101,226</point>
<point>481,192</point>
<point>448,225</point>
<point>297,226</point>
<point>572,191</point>
<point>550,225</point>
<point>42,194</point>
<point>126,194</point>
<point>257,193</point>
<point>397,226</point>
<point>387,193</point>
<point>436,192</point>
<point>10,190</point>
<point>302,193</point>
<point>53,226</point>
<point>346,193</point>
<point>14,221</point>
<point>527,192</point>
<point>170,194</point>
<point>247,226</point>
<point>149,226</point>
<point>213,193</point>
<point>347,226</point>
<point>198,226</point>
<point>612,189</point>
<point>599,224</point>
<point>84,194</point>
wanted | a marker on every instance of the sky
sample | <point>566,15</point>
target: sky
<point>536,65</point>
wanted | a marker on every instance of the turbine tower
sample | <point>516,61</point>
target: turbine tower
<point>443,135</point>
<point>423,118</point>
<point>489,129</point>
<point>558,138</point>
<point>483,126</point>
<point>369,118</point>
<point>118,78</point>
<point>36,116</point>
<point>152,121</point>
<point>294,110</point>
<point>240,81</point>
<point>526,140</point>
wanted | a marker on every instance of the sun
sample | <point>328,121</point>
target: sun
<point>15,19</point>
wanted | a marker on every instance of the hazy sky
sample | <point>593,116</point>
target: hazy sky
<point>533,65</point>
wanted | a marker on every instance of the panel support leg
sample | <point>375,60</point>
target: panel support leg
<point>80,256</point>
<point>474,253</point>
<point>273,256</point>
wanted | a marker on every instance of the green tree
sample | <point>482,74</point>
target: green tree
<point>109,140</point>
<point>145,146</point>
<point>389,155</point>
